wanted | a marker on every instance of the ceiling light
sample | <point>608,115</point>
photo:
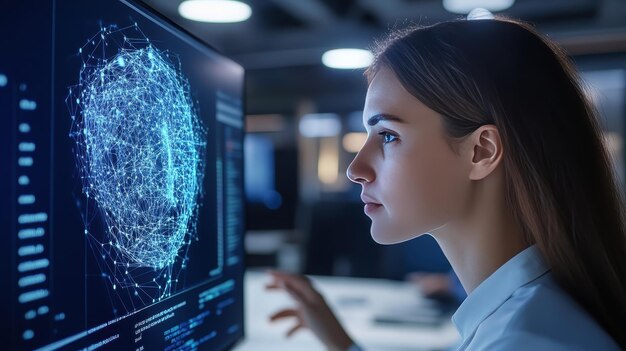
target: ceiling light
<point>215,11</point>
<point>320,125</point>
<point>465,6</point>
<point>347,58</point>
<point>479,14</point>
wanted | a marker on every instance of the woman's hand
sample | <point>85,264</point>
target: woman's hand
<point>310,312</point>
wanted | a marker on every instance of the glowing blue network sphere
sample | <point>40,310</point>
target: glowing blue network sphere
<point>141,153</point>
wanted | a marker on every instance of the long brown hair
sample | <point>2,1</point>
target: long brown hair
<point>561,186</point>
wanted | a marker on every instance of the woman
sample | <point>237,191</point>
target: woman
<point>480,135</point>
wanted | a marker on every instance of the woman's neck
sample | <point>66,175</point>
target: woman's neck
<point>484,240</point>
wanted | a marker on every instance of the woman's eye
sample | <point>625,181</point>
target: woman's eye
<point>388,137</point>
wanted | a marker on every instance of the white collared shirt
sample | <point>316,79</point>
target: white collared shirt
<point>520,307</point>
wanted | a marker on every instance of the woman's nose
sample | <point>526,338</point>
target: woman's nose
<point>358,171</point>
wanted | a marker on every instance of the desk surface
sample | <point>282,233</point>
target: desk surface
<point>356,301</point>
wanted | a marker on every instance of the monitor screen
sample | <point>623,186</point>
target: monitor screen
<point>122,181</point>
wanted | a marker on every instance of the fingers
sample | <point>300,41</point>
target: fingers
<point>278,275</point>
<point>278,278</point>
<point>298,286</point>
<point>284,276</point>
<point>288,313</point>
<point>273,286</point>
<point>297,294</point>
<point>294,329</point>
<point>284,314</point>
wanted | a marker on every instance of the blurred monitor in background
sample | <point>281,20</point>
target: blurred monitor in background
<point>271,182</point>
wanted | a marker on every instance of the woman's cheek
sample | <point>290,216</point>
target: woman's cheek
<point>426,190</point>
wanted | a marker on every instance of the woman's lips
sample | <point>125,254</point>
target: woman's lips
<point>370,204</point>
<point>371,207</point>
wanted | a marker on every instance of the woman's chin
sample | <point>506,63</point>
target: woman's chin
<point>388,237</point>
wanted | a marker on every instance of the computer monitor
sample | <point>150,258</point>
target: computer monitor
<point>121,183</point>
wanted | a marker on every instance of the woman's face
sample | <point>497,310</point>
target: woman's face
<point>412,180</point>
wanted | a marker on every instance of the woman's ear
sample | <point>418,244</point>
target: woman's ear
<point>485,151</point>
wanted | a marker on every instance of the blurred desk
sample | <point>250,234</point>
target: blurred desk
<point>356,302</point>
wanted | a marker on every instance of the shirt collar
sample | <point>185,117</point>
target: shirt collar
<point>523,268</point>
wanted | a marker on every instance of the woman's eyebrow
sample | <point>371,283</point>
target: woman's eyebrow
<point>372,121</point>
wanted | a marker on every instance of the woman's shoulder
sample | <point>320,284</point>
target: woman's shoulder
<point>542,316</point>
